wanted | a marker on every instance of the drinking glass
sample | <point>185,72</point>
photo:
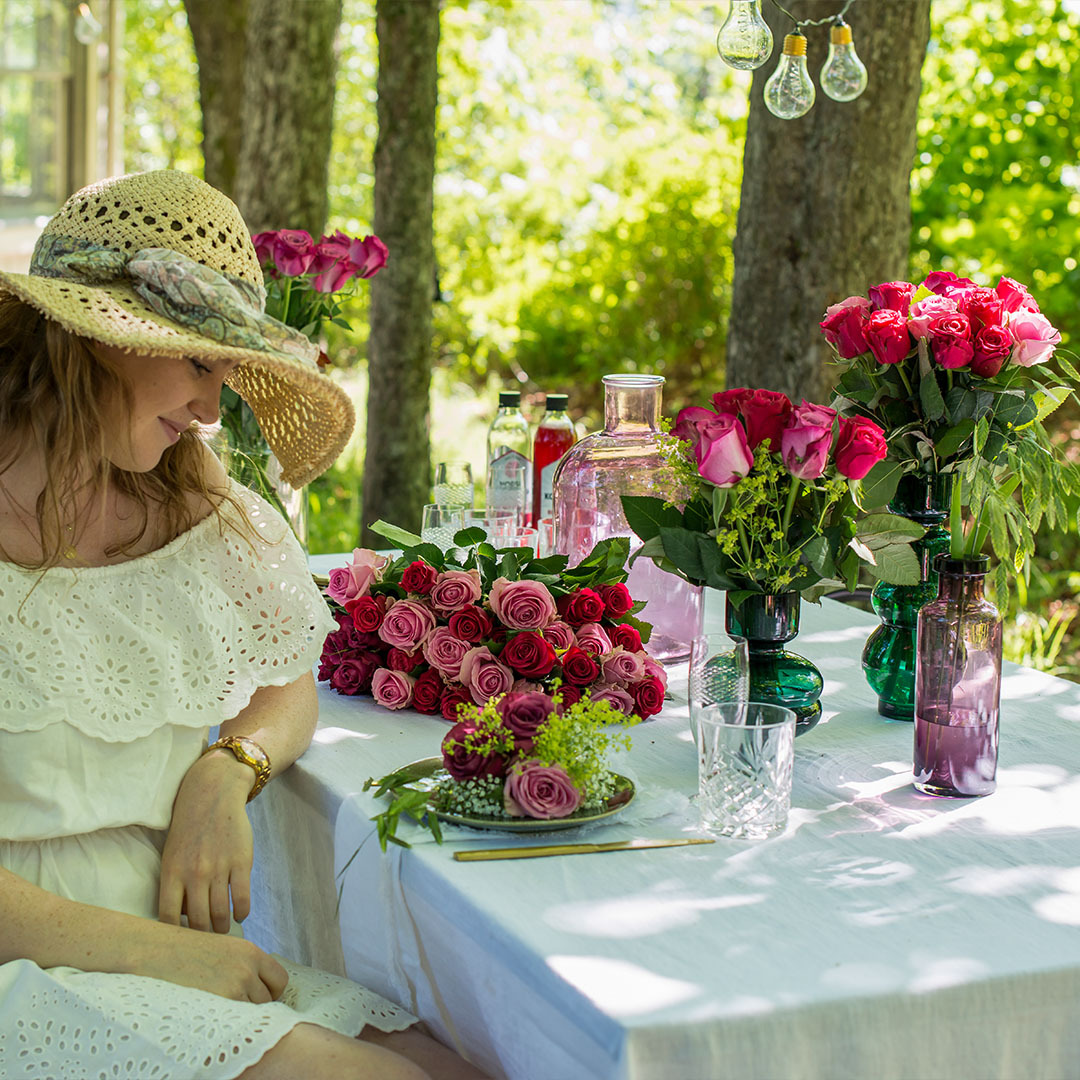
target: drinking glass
<point>719,672</point>
<point>545,537</point>
<point>493,522</point>
<point>514,537</point>
<point>453,484</point>
<point>745,760</point>
<point>438,524</point>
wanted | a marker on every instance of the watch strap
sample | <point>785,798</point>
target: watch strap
<point>250,753</point>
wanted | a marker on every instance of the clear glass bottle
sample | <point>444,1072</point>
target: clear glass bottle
<point>509,450</point>
<point>624,459</point>
<point>554,436</point>
<point>958,683</point>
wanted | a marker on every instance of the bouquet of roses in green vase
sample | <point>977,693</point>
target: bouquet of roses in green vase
<point>306,281</point>
<point>958,376</point>
<point>778,513</point>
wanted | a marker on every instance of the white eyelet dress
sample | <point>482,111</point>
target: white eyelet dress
<point>110,678</point>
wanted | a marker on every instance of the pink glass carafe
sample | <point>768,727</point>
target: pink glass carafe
<point>624,459</point>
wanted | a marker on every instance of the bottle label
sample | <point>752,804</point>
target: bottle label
<point>508,480</point>
<point>547,485</point>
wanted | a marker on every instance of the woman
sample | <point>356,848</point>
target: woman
<point>143,599</point>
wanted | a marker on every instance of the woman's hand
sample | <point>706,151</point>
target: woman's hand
<point>228,966</point>
<point>208,852</point>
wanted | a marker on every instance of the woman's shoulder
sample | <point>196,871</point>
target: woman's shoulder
<point>215,487</point>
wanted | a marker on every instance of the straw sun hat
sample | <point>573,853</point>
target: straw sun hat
<point>161,263</point>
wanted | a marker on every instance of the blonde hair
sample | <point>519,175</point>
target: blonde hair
<point>54,392</point>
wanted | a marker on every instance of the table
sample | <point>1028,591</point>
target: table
<point>883,934</point>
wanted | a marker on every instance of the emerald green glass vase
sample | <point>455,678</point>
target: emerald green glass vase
<point>889,654</point>
<point>777,677</point>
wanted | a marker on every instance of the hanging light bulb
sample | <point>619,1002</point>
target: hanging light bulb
<point>789,92</point>
<point>843,75</point>
<point>745,40</point>
<point>87,28</point>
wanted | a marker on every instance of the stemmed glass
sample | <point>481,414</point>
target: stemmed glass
<point>719,673</point>
<point>439,524</point>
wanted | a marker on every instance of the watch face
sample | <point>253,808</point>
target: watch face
<point>253,749</point>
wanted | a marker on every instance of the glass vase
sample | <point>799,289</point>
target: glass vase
<point>248,459</point>
<point>777,676</point>
<point>958,683</point>
<point>888,657</point>
<point>624,459</point>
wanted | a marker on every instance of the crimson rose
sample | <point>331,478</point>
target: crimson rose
<point>465,764</point>
<point>529,655</point>
<point>648,697</point>
<point>617,600</point>
<point>427,692</point>
<point>578,667</point>
<point>626,636</point>
<point>581,606</point>
<point>471,624</point>
<point>418,577</point>
<point>367,612</point>
<point>454,695</point>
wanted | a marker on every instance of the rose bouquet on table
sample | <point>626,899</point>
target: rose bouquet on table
<point>780,494</point>
<point>526,754</point>
<point>433,630</point>
<point>958,377</point>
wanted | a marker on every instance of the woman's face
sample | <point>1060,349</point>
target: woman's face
<point>168,395</point>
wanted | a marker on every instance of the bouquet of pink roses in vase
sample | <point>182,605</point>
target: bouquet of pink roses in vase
<point>433,630</point>
<point>520,760</point>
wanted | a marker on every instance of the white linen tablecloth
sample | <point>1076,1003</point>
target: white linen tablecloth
<point>883,934</point>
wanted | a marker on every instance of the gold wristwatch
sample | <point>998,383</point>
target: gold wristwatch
<point>250,753</point>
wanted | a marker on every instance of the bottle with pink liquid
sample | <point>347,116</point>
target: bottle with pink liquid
<point>624,459</point>
<point>958,683</point>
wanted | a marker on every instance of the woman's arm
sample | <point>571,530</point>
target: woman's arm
<point>208,853</point>
<point>40,926</point>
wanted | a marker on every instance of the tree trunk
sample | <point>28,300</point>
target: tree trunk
<point>267,124</point>
<point>825,209</point>
<point>217,28</point>
<point>396,463</point>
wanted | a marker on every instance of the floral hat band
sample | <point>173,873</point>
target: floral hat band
<point>217,305</point>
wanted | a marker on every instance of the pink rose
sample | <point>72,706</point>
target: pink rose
<point>689,422</point>
<point>620,666</point>
<point>294,250</point>
<point>805,443</point>
<point>924,311</point>
<point>444,652</point>
<point>950,341</point>
<point>1034,336</point>
<point>655,670</point>
<point>536,790</point>
<point>559,634</point>
<point>619,699</point>
<point>983,307</point>
<point>460,760</point>
<point>945,282</point>
<point>522,714</point>
<point>765,414</point>
<point>992,347</point>
<point>264,246</point>
<point>593,638</point>
<point>859,447</point>
<point>356,578</point>
<point>1015,296</point>
<point>892,295</point>
<point>723,455</point>
<point>392,689</point>
<point>484,676</point>
<point>843,326</point>
<point>887,335</point>
<point>454,589</point>
<point>521,605</point>
<point>731,401</point>
<point>339,258</point>
<point>407,625</point>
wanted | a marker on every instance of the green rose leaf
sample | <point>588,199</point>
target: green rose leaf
<point>647,515</point>
<point>880,530</point>
<point>933,404</point>
<point>878,486</point>
<point>896,564</point>
<point>951,439</point>
<point>398,537</point>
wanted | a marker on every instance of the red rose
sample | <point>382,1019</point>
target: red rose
<point>844,324</point>
<point>368,612</point>
<point>892,294</point>
<point>992,347</point>
<point>400,660</point>
<point>648,697</point>
<point>950,340</point>
<point>887,335</point>
<point>427,692</point>
<point>465,764</point>
<point>983,307</point>
<point>579,668</point>
<point>626,636</point>
<point>354,676</point>
<point>617,600</point>
<point>859,447</point>
<point>528,654</point>
<point>454,695</point>
<point>581,606</point>
<point>731,401</point>
<point>418,577</point>
<point>471,624</point>
<point>765,414</point>
<point>568,696</point>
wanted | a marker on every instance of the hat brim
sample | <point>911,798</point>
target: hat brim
<point>306,417</point>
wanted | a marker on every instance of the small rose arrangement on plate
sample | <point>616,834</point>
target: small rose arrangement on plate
<point>525,755</point>
<point>434,631</point>
<point>780,500</point>
<point>960,378</point>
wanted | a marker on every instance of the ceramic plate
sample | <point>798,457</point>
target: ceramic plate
<point>427,772</point>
